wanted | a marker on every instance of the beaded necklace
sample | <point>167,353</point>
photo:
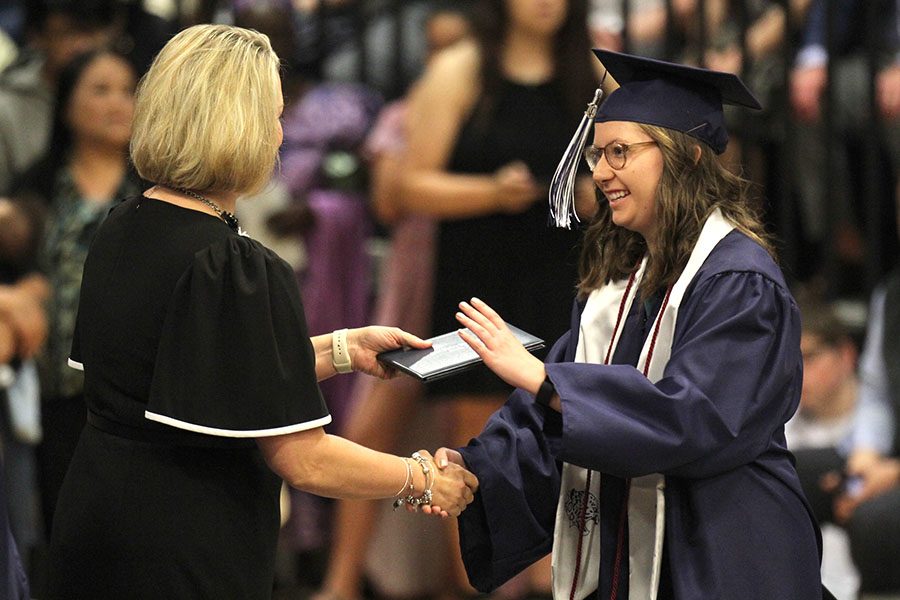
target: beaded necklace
<point>226,216</point>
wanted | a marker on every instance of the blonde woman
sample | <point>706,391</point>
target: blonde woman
<point>200,378</point>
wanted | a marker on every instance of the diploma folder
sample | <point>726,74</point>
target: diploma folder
<point>449,354</point>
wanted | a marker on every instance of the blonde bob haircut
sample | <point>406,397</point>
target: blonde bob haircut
<point>206,112</point>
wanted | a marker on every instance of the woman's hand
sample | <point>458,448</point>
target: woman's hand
<point>7,342</point>
<point>806,88</point>
<point>444,456</point>
<point>500,350</point>
<point>365,343</point>
<point>876,479</point>
<point>515,189</point>
<point>887,91</point>
<point>454,487</point>
<point>22,309</point>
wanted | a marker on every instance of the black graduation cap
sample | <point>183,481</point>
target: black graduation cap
<point>654,92</point>
<point>678,97</point>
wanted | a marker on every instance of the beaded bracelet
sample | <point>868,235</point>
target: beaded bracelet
<point>426,497</point>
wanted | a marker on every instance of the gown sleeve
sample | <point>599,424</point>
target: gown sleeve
<point>235,358</point>
<point>509,525</point>
<point>732,381</point>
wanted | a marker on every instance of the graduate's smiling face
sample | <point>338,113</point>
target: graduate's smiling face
<point>630,188</point>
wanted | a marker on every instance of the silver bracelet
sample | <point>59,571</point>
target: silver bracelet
<point>410,488</point>
<point>408,477</point>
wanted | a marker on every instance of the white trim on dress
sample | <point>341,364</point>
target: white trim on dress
<point>237,433</point>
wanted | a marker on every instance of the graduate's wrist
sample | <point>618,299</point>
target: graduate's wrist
<point>536,380</point>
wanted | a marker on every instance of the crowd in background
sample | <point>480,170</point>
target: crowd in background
<point>373,239</point>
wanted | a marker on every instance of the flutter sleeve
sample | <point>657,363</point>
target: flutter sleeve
<point>75,361</point>
<point>235,358</point>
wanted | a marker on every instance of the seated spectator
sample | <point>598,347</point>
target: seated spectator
<point>851,117</point>
<point>380,43</point>
<point>828,399</point>
<point>868,497</point>
<point>22,330</point>
<point>758,56</point>
<point>55,32</point>
<point>821,427</point>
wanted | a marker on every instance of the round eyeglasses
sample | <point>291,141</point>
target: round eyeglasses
<point>616,154</point>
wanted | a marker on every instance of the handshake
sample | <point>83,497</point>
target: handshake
<point>448,487</point>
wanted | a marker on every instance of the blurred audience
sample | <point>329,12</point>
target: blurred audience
<point>384,410</point>
<point>325,124</point>
<point>646,26</point>
<point>748,39</point>
<point>273,216</point>
<point>473,165</point>
<point>377,42</point>
<point>820,431</point>
<point>868,493</point>
<point>55,32</point>
<point>140,33</point>
<point>858,25</point>
<point>22,331</point>
<point>84,170</point>
<point>20,234</point>
<point>849,459</point>
<point>828,399</point>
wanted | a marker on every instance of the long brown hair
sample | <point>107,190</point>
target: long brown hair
<point>689,190</point>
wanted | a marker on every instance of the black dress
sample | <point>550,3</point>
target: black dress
<point>193,343</point>
<point>523,267</point>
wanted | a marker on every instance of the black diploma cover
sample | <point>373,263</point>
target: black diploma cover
<point>449,354</point>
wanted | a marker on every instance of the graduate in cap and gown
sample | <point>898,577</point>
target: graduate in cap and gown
<point>648,450</point>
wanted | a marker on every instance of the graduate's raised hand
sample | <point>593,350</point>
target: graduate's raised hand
<point>500,350</point>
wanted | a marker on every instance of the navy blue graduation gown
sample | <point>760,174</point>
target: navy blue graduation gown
<point>737,523</point>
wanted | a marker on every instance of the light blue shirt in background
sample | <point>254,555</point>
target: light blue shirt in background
<point>873,426</point>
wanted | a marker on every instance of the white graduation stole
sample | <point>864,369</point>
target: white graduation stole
<point>646,500</point>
